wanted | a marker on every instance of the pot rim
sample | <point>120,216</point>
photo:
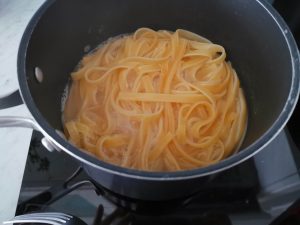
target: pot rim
<point>227,163</point>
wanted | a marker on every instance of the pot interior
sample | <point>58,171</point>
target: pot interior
<point>254,43</point>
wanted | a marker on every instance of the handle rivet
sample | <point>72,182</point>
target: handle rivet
<point>47,144</point>
<point>39,76</point>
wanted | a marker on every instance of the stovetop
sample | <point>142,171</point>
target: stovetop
<point>263,189</point>
<point>250,193</point>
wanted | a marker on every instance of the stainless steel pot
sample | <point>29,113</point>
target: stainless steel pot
<point>258,43</point>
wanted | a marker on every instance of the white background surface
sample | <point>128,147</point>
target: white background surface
<point>14,142</point>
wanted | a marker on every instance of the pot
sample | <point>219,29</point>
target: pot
<point>258,43</point>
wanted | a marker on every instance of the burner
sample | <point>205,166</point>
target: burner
<point>230,191</point>
<point>226,193</point>
<point>233,189</point>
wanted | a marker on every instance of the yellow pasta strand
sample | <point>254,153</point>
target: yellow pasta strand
<point>158,101</point>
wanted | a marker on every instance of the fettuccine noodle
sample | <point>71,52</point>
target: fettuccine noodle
<point>156,101</point>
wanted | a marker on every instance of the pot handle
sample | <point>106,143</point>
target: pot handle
<point>19,121</point>
<point>15,121</point>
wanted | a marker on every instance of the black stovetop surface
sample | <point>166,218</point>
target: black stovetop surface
<point>230,192</point>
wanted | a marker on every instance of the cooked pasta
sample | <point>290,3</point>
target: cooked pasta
<point>156,101</point>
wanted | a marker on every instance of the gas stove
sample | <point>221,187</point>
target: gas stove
<point>262,190</point>
<point>254,192</point>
